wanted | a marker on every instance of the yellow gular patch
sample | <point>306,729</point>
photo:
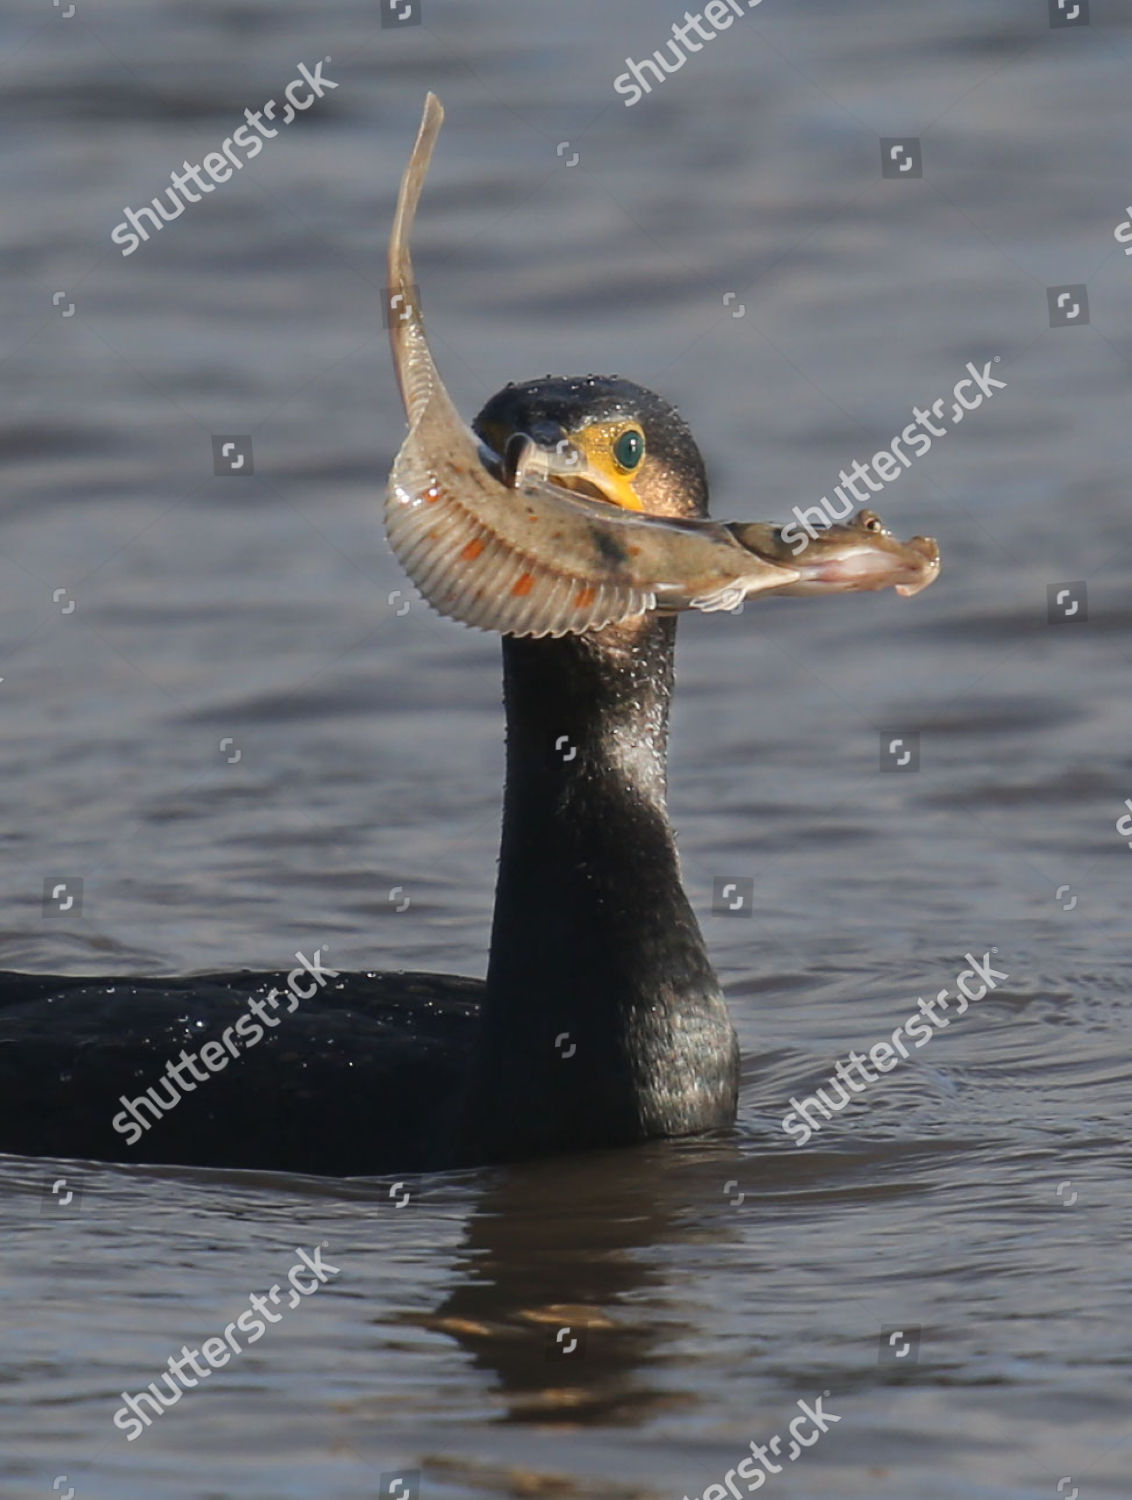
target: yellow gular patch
<point>603,475</point>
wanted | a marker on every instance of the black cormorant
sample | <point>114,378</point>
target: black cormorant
<point>601,1021</point>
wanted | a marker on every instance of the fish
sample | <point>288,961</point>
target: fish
<point>492,541</point>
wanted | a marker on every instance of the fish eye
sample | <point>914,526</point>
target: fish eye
<point>871,521</point>
<point>629,448</point>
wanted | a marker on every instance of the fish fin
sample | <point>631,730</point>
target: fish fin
<point>468,572</point>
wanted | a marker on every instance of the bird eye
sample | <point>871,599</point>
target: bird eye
<point>629,448</point>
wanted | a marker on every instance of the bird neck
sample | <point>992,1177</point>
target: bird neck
<point>603,1021</point>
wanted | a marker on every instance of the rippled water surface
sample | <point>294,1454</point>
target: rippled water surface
<point>242,741</point>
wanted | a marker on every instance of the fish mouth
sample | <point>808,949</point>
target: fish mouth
<point>927,568</point>
<point>873,563</point>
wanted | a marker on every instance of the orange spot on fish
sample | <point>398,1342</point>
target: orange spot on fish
<point>523,584</point>
<point>471,550</point>
<point>585,597</point>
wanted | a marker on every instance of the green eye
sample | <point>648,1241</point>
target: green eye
<point>629,448</point>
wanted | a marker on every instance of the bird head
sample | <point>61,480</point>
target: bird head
<point>600,436</point>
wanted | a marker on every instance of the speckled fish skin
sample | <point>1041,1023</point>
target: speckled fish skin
<point>535,559</point>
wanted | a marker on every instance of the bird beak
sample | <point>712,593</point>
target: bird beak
<point>547,452</point>
<point>576,466</point>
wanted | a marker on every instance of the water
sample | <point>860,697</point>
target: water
<point>979,1192</point>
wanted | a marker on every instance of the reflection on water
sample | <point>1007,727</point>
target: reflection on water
<point>731,241</point>
<point>544,1312</point>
